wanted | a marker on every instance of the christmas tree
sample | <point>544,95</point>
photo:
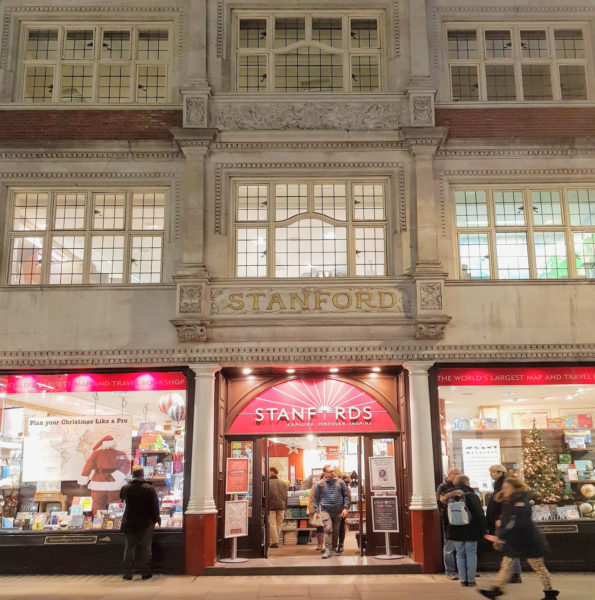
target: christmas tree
<point>540,470</point>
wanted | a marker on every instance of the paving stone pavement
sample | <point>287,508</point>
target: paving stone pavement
<point>572,586</point>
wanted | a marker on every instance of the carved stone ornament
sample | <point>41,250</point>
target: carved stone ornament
<point>190,299</point>
<point>306,115</point>
<point>190,331</point>
<point>422,109</point>
<point>430,295</point>
<point>195,111</point>
<point>431,329</point>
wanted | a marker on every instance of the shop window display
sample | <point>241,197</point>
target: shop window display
<point>537,422</point>
<point>69,442</point>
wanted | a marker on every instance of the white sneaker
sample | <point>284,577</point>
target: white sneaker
<point>453,577</point>
<point>328,554</point>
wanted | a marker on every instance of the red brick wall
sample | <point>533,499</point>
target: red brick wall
<point>133,125</point>
<point>546,122</point>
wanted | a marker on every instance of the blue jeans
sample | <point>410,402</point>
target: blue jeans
<point>466,560</point>
<point>448,553</point>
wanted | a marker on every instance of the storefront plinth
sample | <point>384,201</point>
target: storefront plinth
<point>201,538</point>
<point>425,537</point>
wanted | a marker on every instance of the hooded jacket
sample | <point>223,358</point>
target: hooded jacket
<point>477,527</point>
<point>142,506</point>
<point>494,507</point>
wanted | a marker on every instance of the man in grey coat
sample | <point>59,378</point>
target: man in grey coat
<point>331,501</point>
<point>277,504</point>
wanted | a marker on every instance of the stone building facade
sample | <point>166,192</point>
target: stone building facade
<point>411,112</point>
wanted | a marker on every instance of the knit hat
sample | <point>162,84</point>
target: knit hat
<point>105,438</point>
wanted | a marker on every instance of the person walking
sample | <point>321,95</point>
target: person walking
<point>343,523</point>
<point>468,530</point>
<point>331,502</point>
<point>138,523</point>
<point>448,548</point>
<point>277,504</point>
<point>519,537</point>
<point>312,514</point>
<point>493,510</point>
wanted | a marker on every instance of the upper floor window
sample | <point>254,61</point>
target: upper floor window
<point>520,233</point>
<point>105,64</point>
<point>95,236</point>
<point>299,228</point>
<point>509,63</point>
<point>326,52</point>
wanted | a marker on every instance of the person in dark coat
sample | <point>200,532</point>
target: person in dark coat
<point>277,504</point>
<point>518,537</point>
<point>140,515</point>
<point>448,548</point>
<point>465,537</point>
<point>493,510</point>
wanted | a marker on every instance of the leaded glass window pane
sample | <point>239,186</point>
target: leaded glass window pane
<point>153,45</point>
<point>289,31</point>
<point>508,208</point>
<point>114,84</point>
<point>67,259</point>
<point>41,44</point>
<point>253,202</point>
<point>26,261</point>
<point>369,251</point>
<point>251,252</point>
<point>39,84</point>
<point>498,44</point>
<point>107,259</point>
<point>291,199</point>
<point>109,211</point>
<point>550,254</point>
<point>512,255</point>
<point>148,211</point>
<point>500,82</point>
<point>546,206</point>
<point>581,206</point>
<point>77,83</point>
<point>537,83</point>
<point>330,200</point>
<point>368,202</point>
<point>573,84</point>
<point>308,69</point>
<point>252,73</point>
<point>146,259</point>
<point>584,250</point>
<point>328,31</point>
<point>465,85</point>
<point>534,44</point>
<point>474,256</point>
<point>30,211</point>
<point>79,45</point>
<point>462,44</point>
<point>115,45</point>
<point>471,208</point>
<point>364,33</point>
<point>365,73</point>
<point>569,43</point>
<point>151,84</point>
<point>253,33</point>
<point>69,210</point>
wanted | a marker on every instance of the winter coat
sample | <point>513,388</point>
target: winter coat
<point>331,494</point>
<point>476,528</point>
<point>521,537</point>
<point>494,507</point>
<point>443,488</point>
<point>277,494</point>
<point>142,506</point>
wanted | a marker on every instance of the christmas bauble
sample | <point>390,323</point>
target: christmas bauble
<point>588,490</point>
<point>587,510</point>
<point>168,400</point>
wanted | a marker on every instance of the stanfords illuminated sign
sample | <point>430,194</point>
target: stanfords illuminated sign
<point>312,406</point>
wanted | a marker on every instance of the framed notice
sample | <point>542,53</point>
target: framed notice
<point>382,474</point>
<point>385,514</point>
<point>236,518</point>
<point>236,480</point>
<point>478,456</point>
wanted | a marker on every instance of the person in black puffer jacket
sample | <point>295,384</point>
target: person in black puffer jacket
<point>465,537</point>
<point>518,537</point>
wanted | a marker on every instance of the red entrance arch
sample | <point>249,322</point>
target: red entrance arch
<point>317,405</point>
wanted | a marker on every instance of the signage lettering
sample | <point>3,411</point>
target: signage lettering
<point>517,376</point>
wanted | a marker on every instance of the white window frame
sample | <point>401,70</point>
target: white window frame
<point>516,60</point>
<point>347,52</point>
<point>529,228</point>
<point>350,222</point>
<point>87,231</point>
<point>96,60</point>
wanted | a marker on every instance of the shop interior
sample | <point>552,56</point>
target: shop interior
<point>49,443</point>
<point>474,416</point>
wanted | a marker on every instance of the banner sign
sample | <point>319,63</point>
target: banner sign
<point>385,514</point>
<point>236,518</point>
<point>320,405</point>
<point>92,382</point>
<point>57,448</point>
<point>382,473</point>
<point>478,456</point>
<point>517,376</point>
<point>236,480</point>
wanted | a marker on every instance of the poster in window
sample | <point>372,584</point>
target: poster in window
<point>281,463</point>
<point>478,456</point>
<point>385,514</point>
<point>236,518</point>
<point>382,474</point>
<point>236,480</point>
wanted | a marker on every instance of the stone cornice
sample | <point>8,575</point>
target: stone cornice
<point>89,155</point>
<point>308,146</point>
<point>305,353</point>
<point>446,154</point>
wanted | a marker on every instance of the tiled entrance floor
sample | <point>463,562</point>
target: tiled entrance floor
<point>573,586</point>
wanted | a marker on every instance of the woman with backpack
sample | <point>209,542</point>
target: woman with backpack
<point>518,537</point>
<point>466,525</point>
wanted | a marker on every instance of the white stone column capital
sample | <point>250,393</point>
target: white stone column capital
<point>418,367</point>
<point>205,370</point>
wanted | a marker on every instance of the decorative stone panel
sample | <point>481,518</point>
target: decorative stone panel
<point>190,299</point>
<point>195,108</point>
<point>421,109</point>
<point>429,295</point>
<point>189,330</point>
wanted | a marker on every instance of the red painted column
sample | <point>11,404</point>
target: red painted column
<point>426,540</point>
<point>201,538</point>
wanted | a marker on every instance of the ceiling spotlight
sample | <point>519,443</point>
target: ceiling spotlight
<point>246,371</point>
<point>376,369</point>
<point>251,378</point>
<point>373,375</point>
<point>290,371</point>
<point>334,370</point>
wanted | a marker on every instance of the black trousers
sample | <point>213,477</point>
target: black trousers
<point>137,550</point>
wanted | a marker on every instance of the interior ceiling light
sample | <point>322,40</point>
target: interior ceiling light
<point>376,369</point>
<point>246,371</point>
<point>334,370</point>
<point>290,371</point>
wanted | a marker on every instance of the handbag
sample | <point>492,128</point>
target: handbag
<point>316,520</point>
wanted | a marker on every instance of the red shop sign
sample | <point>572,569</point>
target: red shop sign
<point>312,406</point>
<point>517,376</point>
<point>236,481</point>
<point>92,382</point>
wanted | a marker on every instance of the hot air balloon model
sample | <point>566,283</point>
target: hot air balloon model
<point>168,400</point>
<point>176,412</point>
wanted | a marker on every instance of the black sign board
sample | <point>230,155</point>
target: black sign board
<point>70,539</point>
<point>385,515</point>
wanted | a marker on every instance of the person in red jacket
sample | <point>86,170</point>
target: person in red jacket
<point>105,472</point>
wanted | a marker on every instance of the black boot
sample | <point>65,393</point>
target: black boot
<point>492,592</point>
<point>516,578</point>
<point>550,594</point>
